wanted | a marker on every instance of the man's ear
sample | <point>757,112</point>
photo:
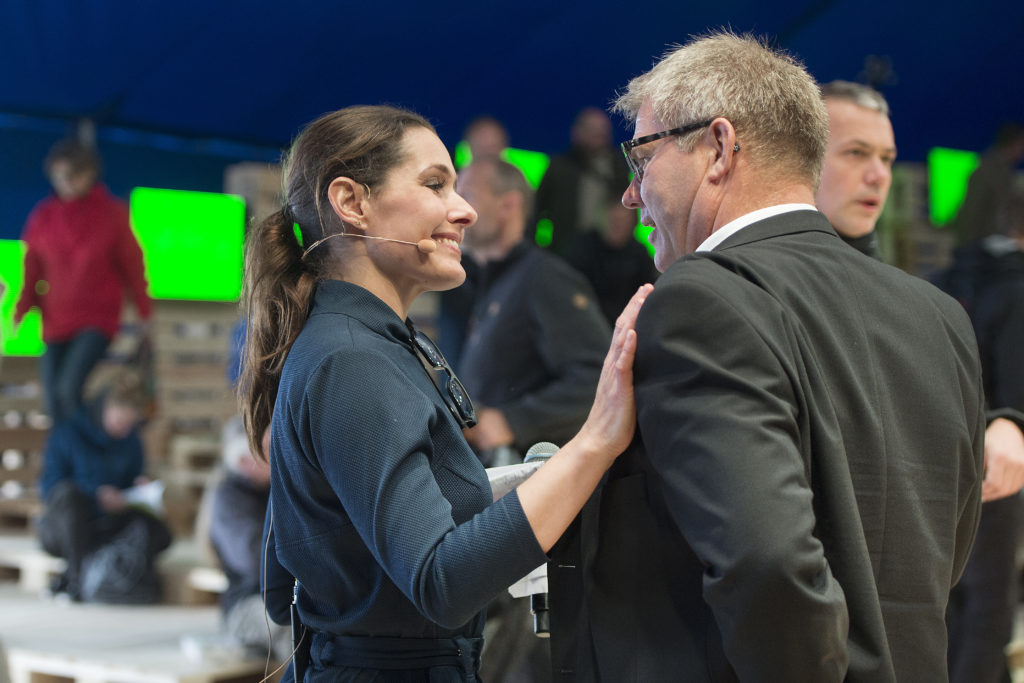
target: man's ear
<point>348,199</point>
<point>723,137</point>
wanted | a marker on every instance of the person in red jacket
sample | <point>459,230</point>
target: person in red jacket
<point>81,257</point>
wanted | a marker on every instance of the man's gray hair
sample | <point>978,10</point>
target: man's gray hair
<point>770,99</point>
<point>857,93</point>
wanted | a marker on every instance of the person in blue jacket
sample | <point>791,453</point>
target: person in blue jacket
<point>379,509</point>
<point>88,463</point>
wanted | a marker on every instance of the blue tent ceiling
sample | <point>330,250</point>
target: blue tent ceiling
<point>254,71</point>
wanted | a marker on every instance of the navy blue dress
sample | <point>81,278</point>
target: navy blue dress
<point>379,507</point>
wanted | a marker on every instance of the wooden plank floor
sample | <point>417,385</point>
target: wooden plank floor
<point>124,644</point>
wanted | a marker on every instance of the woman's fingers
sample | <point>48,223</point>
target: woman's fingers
<point>625,325</point>
<point>628,355</point>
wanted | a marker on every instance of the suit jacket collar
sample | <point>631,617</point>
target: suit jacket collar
<point>789,223</point>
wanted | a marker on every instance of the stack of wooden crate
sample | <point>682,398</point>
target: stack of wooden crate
<point>259,184</point>
<point>191,349</point>
<point>23,432</point>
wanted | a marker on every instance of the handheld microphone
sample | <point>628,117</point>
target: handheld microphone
<point>541,452</point>
<point>426,246</point>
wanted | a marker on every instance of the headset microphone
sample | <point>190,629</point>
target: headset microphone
<point>426,246</point>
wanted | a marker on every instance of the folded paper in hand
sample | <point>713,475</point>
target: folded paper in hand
<point>503,480</point>
<point>149,497</point>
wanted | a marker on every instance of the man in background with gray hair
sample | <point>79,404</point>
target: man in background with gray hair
<point>857,172</point>
<point>531,361</point>
<point>536,336</point>
<point>805,486</point>
<point>855,181</point>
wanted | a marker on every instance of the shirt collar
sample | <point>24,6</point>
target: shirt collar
<point>345,298</point>
<point>734,226</point>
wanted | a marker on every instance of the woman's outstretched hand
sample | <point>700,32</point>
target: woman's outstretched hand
<point>612,420</point>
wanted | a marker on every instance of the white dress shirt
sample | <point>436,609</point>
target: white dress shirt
<point>734,226</point>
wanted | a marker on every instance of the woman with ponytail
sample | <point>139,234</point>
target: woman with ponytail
<point>379,508</point>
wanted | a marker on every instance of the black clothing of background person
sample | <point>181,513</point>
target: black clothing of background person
<point>558,193</point>
<point>613,272</point>
<point>865,244</point>
<point>455,306</point>
<point>998,319</point>
<point>982,605</point>
<point>535,345</point>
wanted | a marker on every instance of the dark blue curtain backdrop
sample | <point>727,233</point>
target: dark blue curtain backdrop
<point>179,90</point>
<point>130,160</point>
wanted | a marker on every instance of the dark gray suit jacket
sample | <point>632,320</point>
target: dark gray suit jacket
<point>805,483</point>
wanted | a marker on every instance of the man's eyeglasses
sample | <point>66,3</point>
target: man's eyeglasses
<point>637,166</point>
<point>453,393</point>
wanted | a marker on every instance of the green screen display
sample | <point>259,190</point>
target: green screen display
<point>532,164</point>
<point>27,338</point>
<point>948,173</point>
<point>191,242</point>
<point>642,233</point>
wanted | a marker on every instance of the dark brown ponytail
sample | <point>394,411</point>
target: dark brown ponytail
<point>362,143</point>
<point>278,294</point>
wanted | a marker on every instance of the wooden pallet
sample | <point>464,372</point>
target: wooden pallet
<point>138,666</point>
<point>23,438</point>
<point>29,564</point>
<point>20,370</point>
<point>259,184</point>
<point>188,575</point>
<point>18,516</point>
<point>47,642</point>
<point>192,468</point>
<point>191,342</point>
<point>195,452</point>
<point>23,433</point>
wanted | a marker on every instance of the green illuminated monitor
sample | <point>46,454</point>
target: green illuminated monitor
<point>27,338</point>
<point>191,241</point>
<point>532,164</point>
<point>948,173</point>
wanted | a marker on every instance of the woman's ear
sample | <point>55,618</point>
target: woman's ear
<point>347,198</point>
